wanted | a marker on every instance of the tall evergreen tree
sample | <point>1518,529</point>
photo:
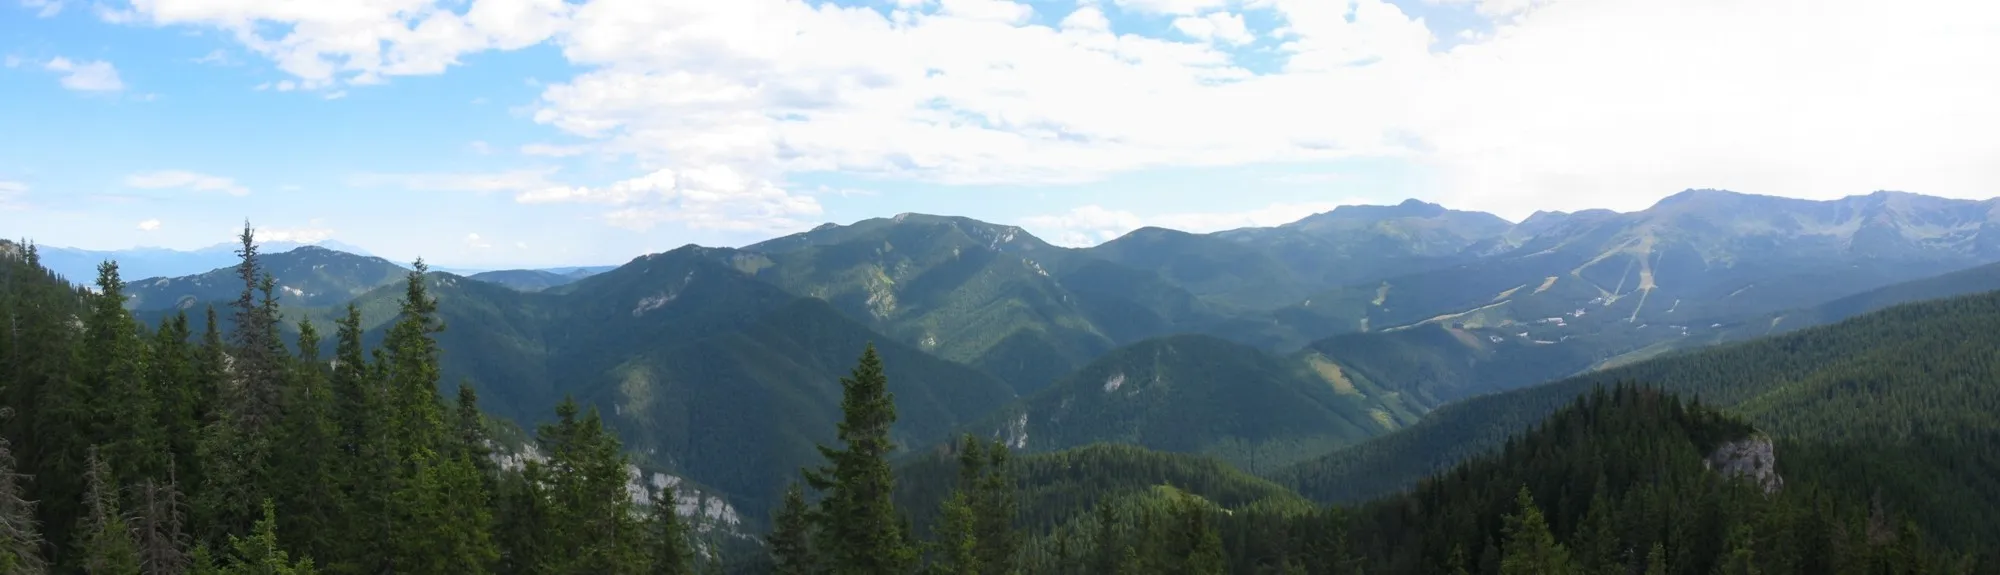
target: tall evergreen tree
<point>790,541</point>
<point>260,553</point>
<point>1530,548</point>
<point>121,422</point>
<point>104,543</point>
<point>442,520</point>
<point>175,385</point>
<point>159,527</point>
<point>671,553</point>
<point>592,516</point>
<point>367,463</point>
<point>858,523</point>
<point>310,499</point>
<point>20,540</point>
<point>956,550</point>
<point>995,508</point>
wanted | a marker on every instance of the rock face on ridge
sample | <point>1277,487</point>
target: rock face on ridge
<point>1753,457</point>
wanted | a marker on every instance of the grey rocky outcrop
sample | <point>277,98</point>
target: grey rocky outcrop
<point>1752,457</point>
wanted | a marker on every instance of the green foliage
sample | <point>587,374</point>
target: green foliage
<point>669,551</point>
<point>1200,394</point>
<point>259,554</point>
<point>858,526</point>
<point>791,538</point>
<point>1897,401</point>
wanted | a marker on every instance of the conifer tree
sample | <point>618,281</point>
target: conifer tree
<point>1596,539</point>
<point>525,528</point>
<point>994,510</point>
<point>1656,560</point>
<point>121,422</point>
<point>104,542</point>
<point>20,541</point>
<point>441,520</point>
<point>790,541</point>
<point>956,551</point>
<point>175,385</point>
<point>670,552</point>
<point>1530,548</point>
<point>211,370</point>
<point>591,511</point>
<point>159,528</point>
<point>310,498</point>
<point>259,554</point>
<point>367,464</point>
<point>1110,552</point>
<point>1741,558</point>
<point>859,526</point>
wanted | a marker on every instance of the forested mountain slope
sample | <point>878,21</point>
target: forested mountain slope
<point>1200,394</point>
<point>701,369</point>
<point>308,276</point>
<point>1902,399</point>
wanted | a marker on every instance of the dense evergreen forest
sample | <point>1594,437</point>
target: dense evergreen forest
<point>208,445</point>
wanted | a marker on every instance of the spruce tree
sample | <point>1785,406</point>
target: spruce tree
<point>20,541</point>
<point>310,498</point>
<point>366,461</point>
<point>440,516</point>
<point>122,419</point>
<point>175,386</point>
<point>1530,548</point>
<point>790,541</point>
<point>259,554</point>
<point>1656,560</point>
<point>159,528</point>
<point>1596,539</point>
<point>956,551</point>
<point>1741,558</point>
<point>858,523</point>
<point>671,553</point>
<point>591,510</point>
<point>994,510</point>
<point>104,543</point>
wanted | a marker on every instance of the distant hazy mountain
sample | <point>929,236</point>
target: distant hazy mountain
<point>538,280</point>
<point>80,265</point>
<point>1694,259</point>
<point>307,276</point>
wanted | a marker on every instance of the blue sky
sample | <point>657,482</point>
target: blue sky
<point>539,132</point>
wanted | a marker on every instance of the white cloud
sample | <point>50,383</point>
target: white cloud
<point>325,44</point>
<point>480,147</point>
<point>1216,27</point>
<point>552,151</point>
<point>476,242</point>
<point>709,198</point>
<point>1171,7</point>
<point>311,233</point>
<point>93,76</point>
<point>509,181</point>
<point>1092,224</point>
<point>182,179</point>
<point>43,8</point>
<point>149,225</point>
<point>218,57</point>
<point>1565,105</point>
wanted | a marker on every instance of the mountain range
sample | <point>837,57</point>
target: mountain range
<point>1266,348</point>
